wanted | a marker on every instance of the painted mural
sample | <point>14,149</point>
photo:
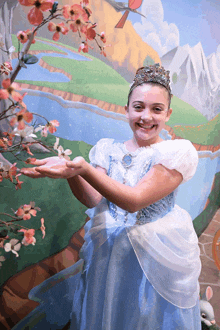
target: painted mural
<point>84,85</point>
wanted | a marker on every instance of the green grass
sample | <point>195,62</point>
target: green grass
<point>63,45</point>
<point>62,212</point>
<point>93,79</point>
<point>207,133</point>
<point>36,46</point>
<point>185,114</point>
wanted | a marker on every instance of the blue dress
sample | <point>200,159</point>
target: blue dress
<point>138,271</point>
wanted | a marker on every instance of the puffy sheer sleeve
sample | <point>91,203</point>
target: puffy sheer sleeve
<point>99,154</point>
<point>180,155</point>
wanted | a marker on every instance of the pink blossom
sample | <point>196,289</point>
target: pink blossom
<point>28,236</point>
<point>51,127</point>
<point>103,50</point>
<point>57,28</point>
<point>102,37</point>
<point>22,37</point>
<point>3,144</point>
<point>61,152</point>
<point>7,171</point>
<point>26,211</point>
<point>27,149</point>
<point>18,184</point>
<point>84,47</point>
<point>78,25</point>
<point>9,137</point>
<point>9,89</point>
<point>20,118</point>
<point>74,12</point>
<point>42,228</point>
<point>90,33</point>
<point>12,171</point>
<point>5,68</point>
<point>84,3</point>
<point>28,32</point>
<point>7,142</point>
<point>35,15</point>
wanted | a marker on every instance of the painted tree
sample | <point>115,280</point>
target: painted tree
<point>6,14</point>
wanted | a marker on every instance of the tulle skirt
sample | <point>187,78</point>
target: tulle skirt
<point>113,293</point>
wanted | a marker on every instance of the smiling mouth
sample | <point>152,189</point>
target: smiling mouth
<point>146,126</point>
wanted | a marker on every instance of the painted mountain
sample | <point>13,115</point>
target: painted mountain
<point>195,78</point>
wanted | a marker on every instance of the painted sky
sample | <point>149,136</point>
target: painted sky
<point>179,22</point>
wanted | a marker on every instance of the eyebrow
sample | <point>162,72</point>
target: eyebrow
<point>157,103</point>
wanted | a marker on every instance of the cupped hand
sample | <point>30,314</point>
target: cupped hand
<point>56,168</point>
<point>33,172</point>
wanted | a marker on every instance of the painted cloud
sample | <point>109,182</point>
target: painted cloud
<point>154,30</point>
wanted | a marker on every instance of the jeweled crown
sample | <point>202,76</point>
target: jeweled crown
<point>152,73</point>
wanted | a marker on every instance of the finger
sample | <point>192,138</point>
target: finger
<point>40,162</point>
<point>51,167</point>
<point>75,162</point>
<point>70,164</point>
<point>50,171</point>
<point>32,173</point>
<point>56,172</point>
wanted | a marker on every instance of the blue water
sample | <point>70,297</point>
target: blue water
<point>34,72</point>
<point>79,124</point>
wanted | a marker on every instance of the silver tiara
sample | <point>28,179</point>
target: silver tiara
<point>152,73</point>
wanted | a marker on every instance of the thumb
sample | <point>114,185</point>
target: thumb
<point>76,162</point>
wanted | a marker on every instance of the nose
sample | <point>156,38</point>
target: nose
<point>213,322</point>
<point>146,114</point>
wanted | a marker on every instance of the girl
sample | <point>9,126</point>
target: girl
<point>141,254</point>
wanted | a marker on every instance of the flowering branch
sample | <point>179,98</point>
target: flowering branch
<point>20,63</point>
<point>76,18</point>
<point>9,243</point>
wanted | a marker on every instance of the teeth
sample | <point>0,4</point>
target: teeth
<point>146,126</point>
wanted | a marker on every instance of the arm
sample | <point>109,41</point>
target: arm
<point>156,184</point>
<point>83,191</point>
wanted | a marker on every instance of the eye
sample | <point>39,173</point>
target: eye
<point>138,107</point>
<point>158,109</point>
<point>204,315</point>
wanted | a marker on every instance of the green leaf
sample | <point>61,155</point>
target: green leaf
<point>30,59</point>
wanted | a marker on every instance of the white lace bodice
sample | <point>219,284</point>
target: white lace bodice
<point>175,154</point>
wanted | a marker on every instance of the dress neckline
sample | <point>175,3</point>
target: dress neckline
<point>124,148</point>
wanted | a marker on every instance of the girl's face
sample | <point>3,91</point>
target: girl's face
<point>147,113</point>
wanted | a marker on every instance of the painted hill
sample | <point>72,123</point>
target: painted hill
<point>128,49</point>
<point>127,52</point>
